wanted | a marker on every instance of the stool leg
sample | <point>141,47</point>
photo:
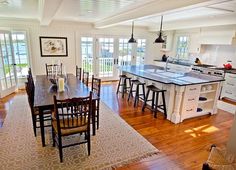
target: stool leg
<point>143,92</point>
<point>156,105</point>
<point>153,98</point>
<point>136,96</point>
<point>124,88</point>
<point>164,104</point>
<point>131,91</point>
<point>145,101</point>
<point>118,87</point>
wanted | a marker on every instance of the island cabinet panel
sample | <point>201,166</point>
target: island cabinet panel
<point>229,87</point>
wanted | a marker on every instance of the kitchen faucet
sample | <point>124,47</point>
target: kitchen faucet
<point>167,60</point>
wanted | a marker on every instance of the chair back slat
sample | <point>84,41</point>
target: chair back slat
<point>78,72</point>
<point>73,113</point>
<point>96,85</point>
<point>85,78</point>
<point>51,69</point>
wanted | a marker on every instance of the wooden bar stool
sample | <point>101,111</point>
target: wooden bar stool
<point>155,96</point>
<point>123,83</point>
<point>137,93</point>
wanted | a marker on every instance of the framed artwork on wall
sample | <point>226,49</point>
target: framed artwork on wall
<point>53,46</point>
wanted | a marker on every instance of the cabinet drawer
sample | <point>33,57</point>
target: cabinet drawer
<point>230,76</point>
<point>187,109</point>
<point>230,84</point>
<point>192,90</point>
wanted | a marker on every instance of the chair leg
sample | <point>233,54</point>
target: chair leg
<point>164,104</point>
<point>34,124</point>
<point>124,88</point>
<point>53,137</point>
<point>130,91</point>
<point>89,142</point>
<point>60,148</point>
<point>143,92</point>
<point>97,114</point>
<point>206,166</point>
<point>156,105</point>
<point>117,91</point>
<point>145,101</point>
<point>153,98</point>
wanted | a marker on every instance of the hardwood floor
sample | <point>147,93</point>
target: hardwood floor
<point>184,146</point>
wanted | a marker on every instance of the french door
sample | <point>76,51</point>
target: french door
<point>7,65</point>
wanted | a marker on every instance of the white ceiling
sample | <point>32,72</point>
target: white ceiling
<point>103,13</point>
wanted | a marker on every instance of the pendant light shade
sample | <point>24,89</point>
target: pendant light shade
<point>132,40</point>
<point>159,38</point>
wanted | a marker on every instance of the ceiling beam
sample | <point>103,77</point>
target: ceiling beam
<point>47,10</point>
<point>154,8</point>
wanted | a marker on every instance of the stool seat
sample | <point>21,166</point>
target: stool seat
<point>124,76</point>
<point>154,88</point>
<point>137,82</point>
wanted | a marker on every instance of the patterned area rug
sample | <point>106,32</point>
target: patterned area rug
<point>115,144</point>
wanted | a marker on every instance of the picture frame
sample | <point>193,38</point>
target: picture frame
<point>53,46</point>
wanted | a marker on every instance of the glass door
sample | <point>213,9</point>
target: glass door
<point>87,55</point>
<point>7,65</point>
<point>19,42</point>
<point>125,52</point>
<point>105,60</point>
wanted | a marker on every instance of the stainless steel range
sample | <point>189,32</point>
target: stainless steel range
<point>208,69</point>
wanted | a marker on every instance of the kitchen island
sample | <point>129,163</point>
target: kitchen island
<point>188,94</point>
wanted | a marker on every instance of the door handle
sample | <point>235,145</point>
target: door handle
<point>13,64</point>
<point>114,61</point>
<point>117,61</point>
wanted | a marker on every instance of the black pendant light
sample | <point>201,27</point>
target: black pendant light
<point>132,40</point>
<point>160,39</point>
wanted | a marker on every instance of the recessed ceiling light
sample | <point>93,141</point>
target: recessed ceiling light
<point>89,11</point>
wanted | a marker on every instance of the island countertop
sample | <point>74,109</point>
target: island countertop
<point>158,74</point>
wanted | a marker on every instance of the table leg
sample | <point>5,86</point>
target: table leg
<point>42,126</point>
<point>93,117</point>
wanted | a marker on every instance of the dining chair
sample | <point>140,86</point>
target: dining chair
<point>85,78</point>
<point>51,69</point>
<point>70,117</point>
<point>78,72</point>
<point>96,88</point>
<point>29,86</point>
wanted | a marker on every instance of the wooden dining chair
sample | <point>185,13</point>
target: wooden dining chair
<point>78,72</point>
<point>52,68</point>
<point>71,116</point>
<point>29,86</point>
<point>96,88</point>
<point>85,78</point>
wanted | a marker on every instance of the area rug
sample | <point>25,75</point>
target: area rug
<point>115,144</point>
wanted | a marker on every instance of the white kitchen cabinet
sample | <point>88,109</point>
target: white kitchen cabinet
<point>229,86</point>
<point>194,44</point>
<point>167,45</point>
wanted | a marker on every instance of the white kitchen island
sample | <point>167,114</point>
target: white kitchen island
<point>188,94</point>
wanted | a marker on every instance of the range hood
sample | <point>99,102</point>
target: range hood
<point>234,39</point>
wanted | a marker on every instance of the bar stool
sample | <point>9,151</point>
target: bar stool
<point>137,93</point>
<point>123,83</point>
<point>155,94</point>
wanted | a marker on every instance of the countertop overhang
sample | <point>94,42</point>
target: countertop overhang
<point>158,74</point>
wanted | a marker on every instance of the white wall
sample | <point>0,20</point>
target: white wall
<point>73,31</point>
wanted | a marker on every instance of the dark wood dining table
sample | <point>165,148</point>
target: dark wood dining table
<point>44,92</point>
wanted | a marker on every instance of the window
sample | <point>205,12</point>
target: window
<point>87,54</point>
<point>125,50</point>
<point>182,47</point>
<point>141,49</point>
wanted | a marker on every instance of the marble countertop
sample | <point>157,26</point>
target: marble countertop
<point>158,74</point>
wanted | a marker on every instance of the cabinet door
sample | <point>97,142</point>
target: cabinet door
<point>194,45</point>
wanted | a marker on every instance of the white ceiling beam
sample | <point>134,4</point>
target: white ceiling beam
<point>47,10</point>
<point>197,23</point>
<point>154,8</point>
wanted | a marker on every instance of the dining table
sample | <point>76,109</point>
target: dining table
<point>45,90</point>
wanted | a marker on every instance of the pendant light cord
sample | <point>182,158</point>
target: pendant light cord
<point>161,23</point>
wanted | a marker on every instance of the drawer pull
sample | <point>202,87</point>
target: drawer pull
<point>230,84</point>
<point>191,99</point>
<point>192,89</point>
<point>189,110</point>
<point>228,92</point>
<point>232,76</point>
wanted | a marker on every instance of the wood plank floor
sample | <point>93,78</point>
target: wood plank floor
<point>184,146</point>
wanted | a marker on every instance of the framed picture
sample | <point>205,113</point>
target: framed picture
<point>53,46</point>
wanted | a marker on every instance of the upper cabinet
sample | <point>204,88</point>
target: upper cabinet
<point>194,44</point>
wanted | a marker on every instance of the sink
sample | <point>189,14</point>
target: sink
<point>171,74</point>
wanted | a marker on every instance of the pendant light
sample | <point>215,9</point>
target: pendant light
<point>160,39</point>
<point>132,40</point>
